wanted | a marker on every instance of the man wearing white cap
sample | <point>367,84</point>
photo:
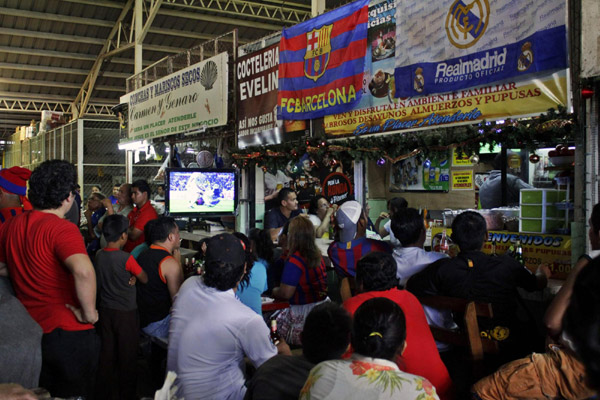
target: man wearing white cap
<point>351,222</point>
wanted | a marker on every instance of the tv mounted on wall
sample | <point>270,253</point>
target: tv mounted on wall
<point>201,192</point>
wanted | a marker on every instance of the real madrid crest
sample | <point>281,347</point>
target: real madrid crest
<point>318,51</point>
<point>419,80</point>
<point>526,58</point>
<point>466,23</point>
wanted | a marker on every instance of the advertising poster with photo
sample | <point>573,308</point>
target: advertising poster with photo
<point>311,177</point>
<point>420,174</point>
<point>518,94</point>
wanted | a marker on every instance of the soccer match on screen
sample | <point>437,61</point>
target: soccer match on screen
<point>211,192</point>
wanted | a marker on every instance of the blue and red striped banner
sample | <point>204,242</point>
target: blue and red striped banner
<point>321,63</point>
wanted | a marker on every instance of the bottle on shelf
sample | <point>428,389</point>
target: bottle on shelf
<point>275,337</point>
<point>519,253</point>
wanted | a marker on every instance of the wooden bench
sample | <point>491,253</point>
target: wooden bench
<point>469,335</point>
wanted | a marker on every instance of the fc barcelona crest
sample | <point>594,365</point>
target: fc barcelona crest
<point>318,52</point>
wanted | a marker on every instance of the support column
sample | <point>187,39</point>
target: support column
<point>317,7</point>
<point>139,24</point>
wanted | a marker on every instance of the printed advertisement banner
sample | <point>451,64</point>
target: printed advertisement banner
<point>538,248</point>
<point>418,174</point>
<point>468,106</point>
<point>181,102</point>
<point>321,63</point>
<point>444,46</point>
<point>462,180</point>
<point>461,159</point>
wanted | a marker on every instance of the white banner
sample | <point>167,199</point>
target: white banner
<point>184,101</point>
<point>590,39</point>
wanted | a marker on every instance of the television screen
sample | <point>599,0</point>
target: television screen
<point>201,192</point>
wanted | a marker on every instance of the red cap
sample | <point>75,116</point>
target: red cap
<point>14,180</point>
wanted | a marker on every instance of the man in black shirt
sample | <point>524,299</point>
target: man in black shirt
<point>278,216</point>
<point>476,276</point>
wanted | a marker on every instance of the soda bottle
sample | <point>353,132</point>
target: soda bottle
<point>519,253</point>
<point>275,337</point>
<point>444,245</point>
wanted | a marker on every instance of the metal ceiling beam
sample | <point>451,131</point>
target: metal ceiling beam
<point>54,17</point>
<point>276,13</point>
<point>52,36</point>
<point>57,70</point>
<point>67,85</point>
<point>50,97</point>
<point>61,54</point>
<point>221,20</point>
<point>154,7</point>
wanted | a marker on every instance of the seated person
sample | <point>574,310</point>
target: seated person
<point>162,264</point>
<point>378,336</point>
<point>473,275</point>
<point>276,269</point>
<point>254,282</point>
<point>376,278</point>
<point>394,205</point>
<point>490,192</point>
<point>326,336</point>
<point>304,279</point>
<point>319,213</point>
<point>212,331</point>
<point>352,226</point>
<point>276,217</point>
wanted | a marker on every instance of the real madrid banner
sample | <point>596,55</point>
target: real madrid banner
<point>444,46</point>
<point>321,63</point>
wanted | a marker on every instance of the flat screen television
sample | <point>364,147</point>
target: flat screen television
<point>201,192</point>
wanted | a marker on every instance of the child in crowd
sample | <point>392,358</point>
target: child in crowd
<point>261,248</point>
<point>118,326</point>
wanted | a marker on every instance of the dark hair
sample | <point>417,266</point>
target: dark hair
<point>595,218</point>
<point>262,244</point>
<point>283,195</point>
<point>250,258</point>
<point>142,186</point>
<point>313,206</point>
<point>114,226</point>
<point>326,333</point>
<point>407,225</point>
<point>97,195</point>
<point>160,229</point>
<point>376,271</point>
<point>396,204</point>
<point>222,275</point>
<point>468,231</point>
<point>582,320</point>
<point>51,183</point>
<point>379,329</point>
<point>301,238</point>
<point>148,232</point>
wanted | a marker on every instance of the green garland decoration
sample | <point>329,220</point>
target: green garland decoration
<point>552,128</point>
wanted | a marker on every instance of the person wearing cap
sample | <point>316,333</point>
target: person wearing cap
<point>13,188</point>
<point>140,215</point>
<point>351,222</point>
<point>54,279</point>
<point>276,217</point>
<point>212,331</point>
<point>162,264</point>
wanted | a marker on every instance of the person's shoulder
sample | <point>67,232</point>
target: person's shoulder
<point>379,244</point>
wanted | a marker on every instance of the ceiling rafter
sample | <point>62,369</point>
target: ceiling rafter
<point>68,85</point>
<point>58,70</point>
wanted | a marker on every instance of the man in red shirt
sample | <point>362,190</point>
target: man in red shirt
<point>45,257</point>
<point>13,187</point>
<point>140,215</point>
<point>376,277</point>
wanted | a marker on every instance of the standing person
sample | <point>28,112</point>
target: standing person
<point>162,264</point>
<point>211,331</point>
<point>13,188</point>
<point>378,336</point>
<point>375,278</point>
<point>140,215</point>
<point>74,213</point>
<point>261,249</point>
<point>95,210</point>
<point>326,336</point>
<point>490,193</point>
<point>394,205</point>
<point>122,207</point>
<point>54,278</point>
<point>160,194</point>
<point>278,216</point>
<point>319,213</point>
<point>118,325</point>
<point>304,279</point>
<point>352,227</point>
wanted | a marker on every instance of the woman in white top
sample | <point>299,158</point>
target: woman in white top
<point>319,213</point>
<point>378,335</point>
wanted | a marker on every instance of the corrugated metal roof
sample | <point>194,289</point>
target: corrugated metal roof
<point>47,47</point>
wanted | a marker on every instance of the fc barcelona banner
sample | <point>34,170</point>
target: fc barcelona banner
<point>447,45</point>
<point>321,63</point>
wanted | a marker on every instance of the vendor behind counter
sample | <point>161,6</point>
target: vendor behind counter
<point>490,193</point>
